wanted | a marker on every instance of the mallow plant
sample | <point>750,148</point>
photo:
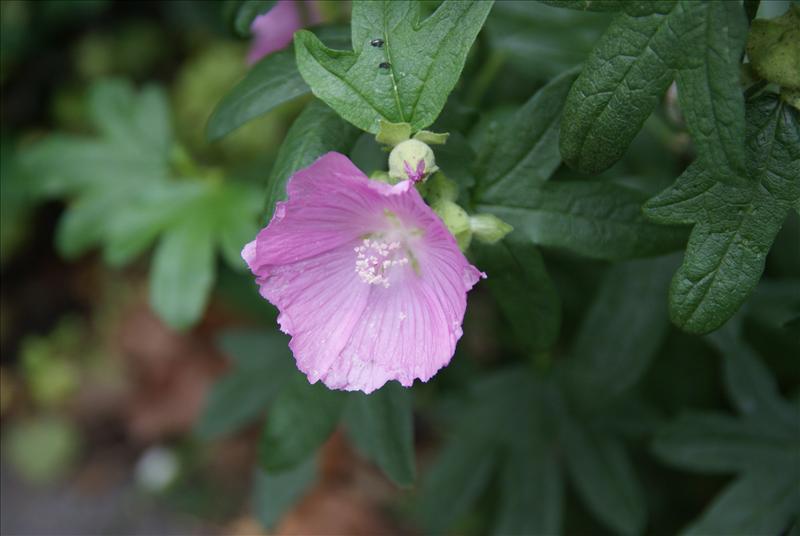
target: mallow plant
<point>457,155</point>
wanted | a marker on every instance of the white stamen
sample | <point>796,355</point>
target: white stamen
<point>375,258</point>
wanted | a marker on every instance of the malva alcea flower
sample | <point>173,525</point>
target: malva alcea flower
<point>368,281</point>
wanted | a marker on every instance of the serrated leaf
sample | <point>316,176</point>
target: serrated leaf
<point>261,365</point>
<point>423,60</point>
<point>630,6</point>
<point>601,220</point>
<point>526,148</point>
<point>617,90</point>
<point>763,502</point>
<point>182,272</point>
<point>271,82</point>
<point>316,131</point>
<point>382,428</point>
<point>642,51</point>
<point>274,493</point>
<point>601,472</point>
<point>709,87</point>
<point>714,443</point>
<point>734,225</point>
<point>531,496</point>
<point>523,290</point>
<point>630,300</point>
<point>300,420</point>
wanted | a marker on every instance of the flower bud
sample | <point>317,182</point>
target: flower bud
<point>440,188</point>
<point>457,221</point>
<point>411,160</point>
<point>489,228</point>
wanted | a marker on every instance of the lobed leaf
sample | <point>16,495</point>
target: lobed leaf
<point>407,78</point>
<point>734,225</point>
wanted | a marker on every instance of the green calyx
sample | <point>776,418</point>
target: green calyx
<point>393,134</point>
<point>773,47</point>
<point>488,228</point>
<point>457,221</point>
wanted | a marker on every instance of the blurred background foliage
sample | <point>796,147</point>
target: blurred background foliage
<point>138,361</point>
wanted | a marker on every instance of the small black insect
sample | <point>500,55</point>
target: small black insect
<point>384,65</point>
<point>376,42</point>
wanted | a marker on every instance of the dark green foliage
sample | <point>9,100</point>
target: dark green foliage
<point>735,224</point>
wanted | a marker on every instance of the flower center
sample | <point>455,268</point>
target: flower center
<point>375,258</point>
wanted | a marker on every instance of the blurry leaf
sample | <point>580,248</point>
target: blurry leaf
<point>274,493</point>
<point>763,502</point>
<point>540,41</point>
<point>82,225</point>
<point>714,443</point>
<point>300,420</point>
<point>748,382</point>
<point>523,290</point>
<point>454,158</point>
<point>261,366</point>
<point>423,60</point>
<point>631,67</point>
<point>601,220</point>
<point>271,82</point>
<point>236,209</point>
<point>126,118</point>
<point>604,478</point>
<point>242,13</point>
<point>453,484</point>
<point>315,132</point>
<point>622,331</point>
<point>182,271</point>
<point>525,151</point>
<point>734,225</point>
<point>531,495</point>
<point>382,427</point>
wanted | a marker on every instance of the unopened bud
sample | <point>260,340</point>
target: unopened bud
<point>489,228</point>
<point>457,221</point>
<point>411,160</point>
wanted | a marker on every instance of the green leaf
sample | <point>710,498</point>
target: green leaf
<point>763,502</point>
<point>713,443</point>
<point>316,131</point>
<point>734,225</point>
<point>601,220</point>
<point>630,300</point>
<point>525,151</point>
<point>748,382</point>
<point>274,493</point>
<point>619,86</point>
<point>630,6</point>
<point>236,210</point>
<point>261,366</point>
<point>182,272</point>
<point>519,282</point>
<point>709,87</point>
<point>140,120</point>
<point>300,420</point>
<point>271,82</point>
<point>424,58</point>
<point>602,474</point>
<point>631,67</point>
<point>531,496</point>
<point>381,426</point>
<point>453,484</point>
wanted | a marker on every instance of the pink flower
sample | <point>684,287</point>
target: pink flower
<point>369,282</point>
<point>274,29</point>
